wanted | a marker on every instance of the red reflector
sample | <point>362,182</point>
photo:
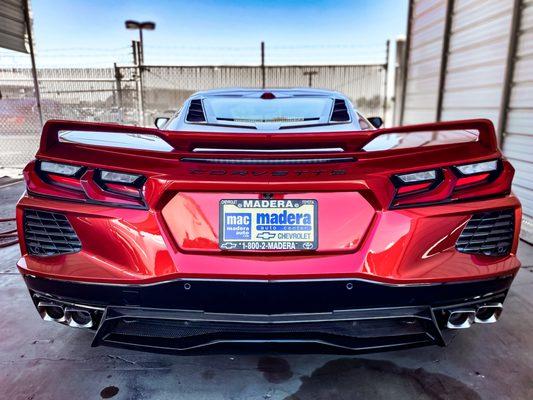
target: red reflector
<point>65,181</point>
<point>268,96</point>
<point>470,180</point>
<point>123,189</point>
<point>414,188</point>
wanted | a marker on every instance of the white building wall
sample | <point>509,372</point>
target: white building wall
<point>477,55</point>
<point>518,130</point>
<point>423,65</point>
<point>474,78</point>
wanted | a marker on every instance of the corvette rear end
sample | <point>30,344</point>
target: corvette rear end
<point>325,241</point>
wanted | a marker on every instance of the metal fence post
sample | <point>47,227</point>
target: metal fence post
<point>263,78</point>
<point>140,94</point>
<point>118,78</point>
<point>385,95</point>
<point>27,22</point>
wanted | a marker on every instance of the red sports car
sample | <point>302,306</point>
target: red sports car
<point>278,218</point>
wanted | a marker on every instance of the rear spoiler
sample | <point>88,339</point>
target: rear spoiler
<point>475,138</point>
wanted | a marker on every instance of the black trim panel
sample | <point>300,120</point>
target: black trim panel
<point>269,297</point>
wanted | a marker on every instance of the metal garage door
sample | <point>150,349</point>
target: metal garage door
<point>461,57</point>
<point>477,55</point>
<point>424,45</point>
<point>518,139</point>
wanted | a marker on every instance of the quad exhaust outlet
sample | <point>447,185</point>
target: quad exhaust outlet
<point>66,315</point>
<point>464,318</point>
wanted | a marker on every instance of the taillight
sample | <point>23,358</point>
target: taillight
<point>75,182</point>
<point>120,183</point>
<point>458,182</point>
<point>477,173</point>
<point>477,168</point>
<point>416,182</point>
<point>60,169</point>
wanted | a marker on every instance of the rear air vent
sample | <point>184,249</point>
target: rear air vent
<point>48,234</point>
<point>340,112</point>
<point>488,233</point>
<point>196,111</point>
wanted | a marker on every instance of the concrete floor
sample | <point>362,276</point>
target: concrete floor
<point>41,360</point>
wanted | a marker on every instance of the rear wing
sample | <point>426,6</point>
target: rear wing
<point>94,142</point>
<point>393,167</point>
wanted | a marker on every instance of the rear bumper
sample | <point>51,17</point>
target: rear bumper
<point>339,316</point>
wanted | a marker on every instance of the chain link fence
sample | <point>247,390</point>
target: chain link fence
<point>125,95</point>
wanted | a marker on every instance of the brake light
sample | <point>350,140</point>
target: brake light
<point>453,183</point>
<point>80,183</point>
<point>120,183</point>
<point>119,177</point>
<point>476,168</point>
<point>60,169</point>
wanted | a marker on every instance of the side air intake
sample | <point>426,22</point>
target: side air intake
<point>196,111</point>
<point>48,234</point>
<point>488,233</point>
<point>340,112</point>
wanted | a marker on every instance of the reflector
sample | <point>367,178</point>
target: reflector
<point>471,169</point>
<point>418,176</point>
<point>60,169</point>
<point>110,176</point>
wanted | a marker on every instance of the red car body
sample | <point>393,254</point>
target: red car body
<point>384,253</point>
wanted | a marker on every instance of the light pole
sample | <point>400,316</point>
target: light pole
<point>147,25</point>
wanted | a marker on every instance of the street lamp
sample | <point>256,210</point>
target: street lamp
<point>147,25</point>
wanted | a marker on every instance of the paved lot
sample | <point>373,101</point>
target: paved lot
<point>40,360</point>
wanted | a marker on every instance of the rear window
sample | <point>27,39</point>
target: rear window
<point>277,110</point>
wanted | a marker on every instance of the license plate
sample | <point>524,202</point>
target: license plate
<point>251,224</point>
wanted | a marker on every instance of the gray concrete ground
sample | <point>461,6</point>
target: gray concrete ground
<point>41,360</point>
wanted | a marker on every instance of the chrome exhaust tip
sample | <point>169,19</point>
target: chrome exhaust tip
<point>461,319</point>
<point>489,313</point>
<point>78,318</point>
<point>51,312</point>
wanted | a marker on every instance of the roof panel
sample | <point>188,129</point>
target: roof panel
<point>12,28</point>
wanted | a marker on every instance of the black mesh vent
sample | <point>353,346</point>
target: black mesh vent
<point>488,233</point>
<point>196,111</point>
<point>340,112</point>
<point>47,234</point>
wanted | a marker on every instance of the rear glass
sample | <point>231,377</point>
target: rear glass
<point>269,110</point>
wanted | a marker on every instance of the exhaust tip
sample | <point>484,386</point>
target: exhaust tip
<point>461,319</point>
<point>51,312</point>
<point>78,318</point>
<point>489,313</point>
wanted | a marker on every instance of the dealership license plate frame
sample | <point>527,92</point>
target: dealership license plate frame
<point>254,244</point>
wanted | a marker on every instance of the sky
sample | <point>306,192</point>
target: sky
<point>209,32</point>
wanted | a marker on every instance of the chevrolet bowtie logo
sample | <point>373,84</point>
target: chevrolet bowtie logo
<point>266,235</point>
<point>228,246</point>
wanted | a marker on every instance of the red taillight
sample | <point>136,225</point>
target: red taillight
<point>486,178</point>
<point>467,181</point>
<point>65,181</point>
<point>85,184</point>
<point>410,189</point>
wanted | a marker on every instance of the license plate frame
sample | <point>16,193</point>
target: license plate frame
<point>292,225</point>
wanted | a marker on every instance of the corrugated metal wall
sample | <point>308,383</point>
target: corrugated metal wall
<point>423,62</point>
<point>518,130</point>
<point>471,59</point>
<point>477,54</point>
